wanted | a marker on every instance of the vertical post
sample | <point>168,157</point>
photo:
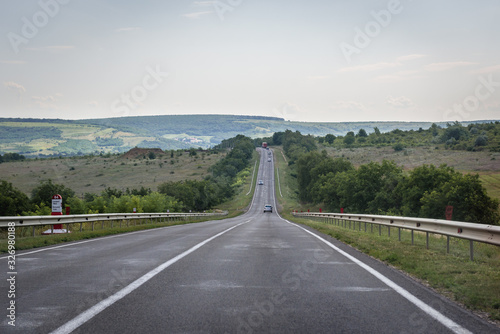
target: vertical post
<point>33,230</point>
<point>399,233</point>
<point>427,239</point>
<point>471,250</point>
<point>365,226</point>
<point>92,226</point>
<point>412,237</point>
<point>371,227</point>
<point>379,230</point>
<point>67,228</point>
<point>81,226</point>
<point>447,244</point>
<point>389,231</point>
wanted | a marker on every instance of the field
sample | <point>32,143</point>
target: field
<point>92,174</point>
<point>486,164</point>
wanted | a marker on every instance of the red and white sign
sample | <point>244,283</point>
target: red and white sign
<point>56,205</point>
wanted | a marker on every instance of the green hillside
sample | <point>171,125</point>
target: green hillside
<point>57,137</point>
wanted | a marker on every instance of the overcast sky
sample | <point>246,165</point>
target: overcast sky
<point>316,60</point>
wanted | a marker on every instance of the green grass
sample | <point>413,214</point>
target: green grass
<point>474,284</point>
<point>240,202</point>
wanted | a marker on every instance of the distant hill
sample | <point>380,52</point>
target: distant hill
<point>57,137</point>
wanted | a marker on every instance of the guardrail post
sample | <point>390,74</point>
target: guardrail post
<point>412,237</point>
<point>427,239</point>
<point>471,250</point>
<point>81,226</point>
<point>399,233</point>
<point>92,226</point>
<point>380,230</point>
<point>389,231</point>
<point>365,227</point>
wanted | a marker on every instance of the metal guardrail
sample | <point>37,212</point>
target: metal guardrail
<point>469,231</point>
<point>23,221</point>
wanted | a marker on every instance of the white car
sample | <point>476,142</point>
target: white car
<point>261,182</point>
<point>268,208</point>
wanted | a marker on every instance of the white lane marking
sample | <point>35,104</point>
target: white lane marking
<point>105,303</point>
<point>91,240</point>
<point>447,322</point>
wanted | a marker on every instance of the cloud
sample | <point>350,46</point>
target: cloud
<point>399,102</point>
<point>196,15</point>
<point>369,67</point>
<point>437,67</point>
<point>410,57</point>
<point>288,111</point>
<point>126,29</point>
<point>12,62</point>
<point>398,76</point>
<point>488,70</point>
<point>14,86</point>
<point>45,102</point>
<point>347,106</point>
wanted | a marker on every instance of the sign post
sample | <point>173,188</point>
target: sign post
<point>449,212</point>
<point>56,211</point>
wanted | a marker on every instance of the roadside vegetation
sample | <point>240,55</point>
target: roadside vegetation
<point>315,178</point>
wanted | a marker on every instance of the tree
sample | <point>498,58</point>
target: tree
<point>329,138</point>
<point>13,202</point>
<point>44,192</point>
<point>362,133</point>
<point>349,138</point>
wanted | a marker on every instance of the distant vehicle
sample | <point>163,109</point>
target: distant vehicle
<point>269,153</point>
<point>268,208</point>
<point>269,160</point>
<point>264,144</point>
<point>261,182</point>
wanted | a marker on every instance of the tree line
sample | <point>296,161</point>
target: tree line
<point>225,176</point>
<point>384,188</point>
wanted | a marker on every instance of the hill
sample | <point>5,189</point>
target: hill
<point>57,137</point>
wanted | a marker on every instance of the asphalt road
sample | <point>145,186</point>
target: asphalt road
<point>256,273</point>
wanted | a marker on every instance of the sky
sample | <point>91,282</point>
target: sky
<point>316,60</point>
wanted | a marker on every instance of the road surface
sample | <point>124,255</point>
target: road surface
<point>256,273</point>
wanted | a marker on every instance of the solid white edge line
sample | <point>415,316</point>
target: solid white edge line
<point>447,322</point>
<point>105,303</point>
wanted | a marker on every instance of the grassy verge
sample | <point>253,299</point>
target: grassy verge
<point>474,284</point>
<point>240,202</point>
